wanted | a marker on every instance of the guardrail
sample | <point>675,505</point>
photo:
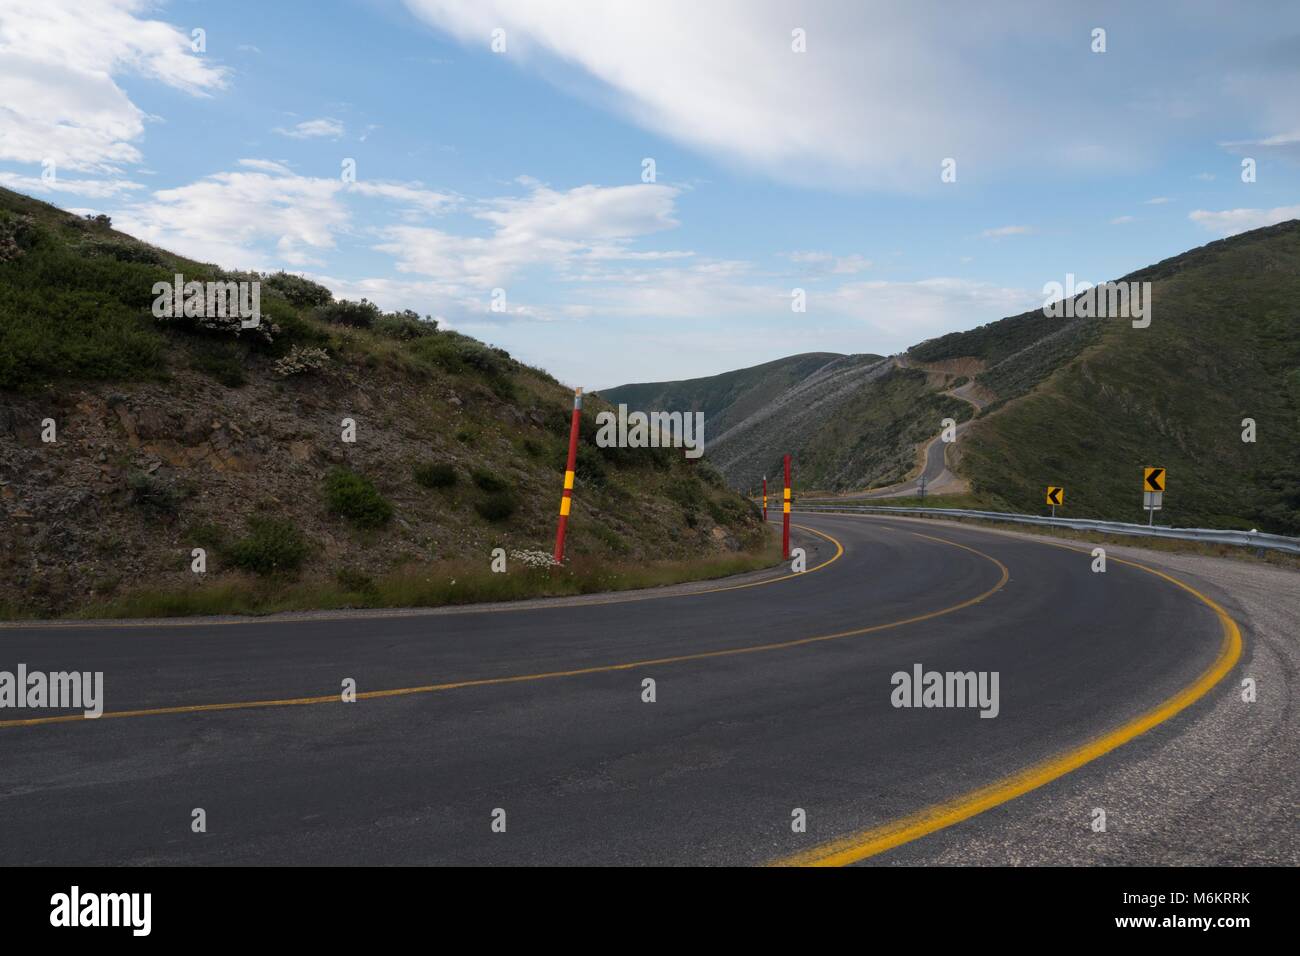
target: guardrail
<point>1247,539</point>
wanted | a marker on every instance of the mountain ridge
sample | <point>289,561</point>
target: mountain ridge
<point>1063,401</point>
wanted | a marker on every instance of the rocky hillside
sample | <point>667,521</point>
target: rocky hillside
<point>127,441</point>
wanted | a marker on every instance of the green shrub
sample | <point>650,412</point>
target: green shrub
<point>459,354</point>
<point>296,290</point>
<point>359,315</point>
<point>205,534</point>
<point>121,250</point>
<point>405,325</point>
<point>356,498</point>
<point>686,492</point>
<point>434,475</point>
<point>224,361</point>
<point>496,506</point>
<point>154,495</point>
<point>590,466</point>
<point>272,546</point>
<point>356,581</point>
<point>488,481</point>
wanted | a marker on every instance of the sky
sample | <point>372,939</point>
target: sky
<point>623,191</point>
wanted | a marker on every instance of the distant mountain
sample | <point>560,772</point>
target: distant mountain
<point>852,420</point>
<point>724,399</point>
<point>1079,402</point>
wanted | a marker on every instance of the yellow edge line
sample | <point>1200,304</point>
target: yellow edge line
<point>379,614</point>
<point>549,675</point>
<point>868,843</point>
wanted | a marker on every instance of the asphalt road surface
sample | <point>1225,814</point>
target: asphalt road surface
<point>770,698</point>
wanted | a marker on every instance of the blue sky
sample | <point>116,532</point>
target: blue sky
<point>775,169</point>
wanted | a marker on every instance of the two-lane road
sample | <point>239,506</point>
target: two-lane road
<point>768,698</point>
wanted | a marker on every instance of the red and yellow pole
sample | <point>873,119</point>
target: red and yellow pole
<point>785,513</point>
<point>567,497</point>
<point>765,497</point>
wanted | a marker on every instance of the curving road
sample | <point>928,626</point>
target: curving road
<point>769,697</point>
<point>939,479</point>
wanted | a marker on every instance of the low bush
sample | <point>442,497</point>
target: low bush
<point>434,475</point>
<point>487,481</point>
<point>355,497</point>
<point>497,506</point>
<point>405,325</point>
<point>358,315</point>
<point>272,546</point>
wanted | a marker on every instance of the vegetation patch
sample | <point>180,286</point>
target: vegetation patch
<point>355,497</point>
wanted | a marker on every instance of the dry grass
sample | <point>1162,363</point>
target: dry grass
<point>430,585</point>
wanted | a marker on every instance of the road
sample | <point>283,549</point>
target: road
<point>769,697</point>
<point>934,457</point>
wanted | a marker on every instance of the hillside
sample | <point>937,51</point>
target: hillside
<point>175,434</point>
<point>850,420</point>
<point>725,399</point>
<point>1223,345</point>
<point>1079,402</point>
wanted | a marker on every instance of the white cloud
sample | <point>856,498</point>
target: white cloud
<point>416,198</point>
<point>93,188</point>
<point>261,216</point>
<point>1121,220</point>
<point>1229,222</point>
<point>546,226</point>
<point>323,128</point>
<point>1283,144</point>
<point>1158,201</point>
<point>885,92</point>
<point>825,262</point>
<point>58,60</point>
<point>722,76</point>
<point>1002,231</point>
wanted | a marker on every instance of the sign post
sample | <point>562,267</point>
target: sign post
<point>1153,492</point>
<point>1055,496</point>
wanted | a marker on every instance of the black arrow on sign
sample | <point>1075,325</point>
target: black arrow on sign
<point>1055,496</point>
<point>1153,479</point>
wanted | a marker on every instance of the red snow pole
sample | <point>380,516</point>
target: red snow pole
<point>567,497</point>
<point>785,513</point>
<point>765,497</point>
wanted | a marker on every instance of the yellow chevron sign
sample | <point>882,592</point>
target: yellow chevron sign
<point>1055,496</point>
<point>1153,479</point>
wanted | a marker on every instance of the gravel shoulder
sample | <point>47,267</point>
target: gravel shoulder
<point>1218,784</point>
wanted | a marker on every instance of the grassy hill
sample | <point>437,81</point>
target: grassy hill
<point>725,399</point>
<point>1223,345</point>
<point>849,420</point>
<point>179,434</point>
<point>1082,402</point>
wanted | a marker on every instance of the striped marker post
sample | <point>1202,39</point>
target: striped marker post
<point>785,514</point>
<point>765,497</point>
<point>567,498</point>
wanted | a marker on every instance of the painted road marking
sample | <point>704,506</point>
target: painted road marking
<point>549,675</point>
<point>867,843</point>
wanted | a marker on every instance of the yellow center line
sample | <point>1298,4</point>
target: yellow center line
<point>870,842</point>
<point>548,675</point>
